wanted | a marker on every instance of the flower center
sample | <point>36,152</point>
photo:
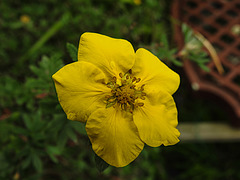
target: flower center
<point>124,92</point>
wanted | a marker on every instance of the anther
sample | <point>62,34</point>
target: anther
<point>111,100</point>
<point>138,80</point>
<point>142,87</point>
<point>133,86</point>
<point>144,94</point>
<point>125,93</point>
<point>107,96</point>
<point>141,104</point>
<point>134,79</point>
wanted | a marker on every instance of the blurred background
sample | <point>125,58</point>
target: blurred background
<point>36,139</point>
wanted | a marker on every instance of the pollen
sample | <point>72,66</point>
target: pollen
<point>124,92</point>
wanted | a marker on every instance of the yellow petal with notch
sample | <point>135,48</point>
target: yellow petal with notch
<point>114,136</point>
<point>157,119</point>
<point>111,55</point>
<point>81,87</point>
<point>154,73</point>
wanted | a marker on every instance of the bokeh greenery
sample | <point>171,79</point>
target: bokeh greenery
<point>36,139</point>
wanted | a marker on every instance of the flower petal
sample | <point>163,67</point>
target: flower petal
<point>154,73</point>
<point>114,136</point>
<point>81,87</point>
<point>157,119</point>
<point>109,54</point>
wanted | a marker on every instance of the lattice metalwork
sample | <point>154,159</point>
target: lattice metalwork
<point>219,22</point>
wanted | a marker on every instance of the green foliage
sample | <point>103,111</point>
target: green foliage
<point>167,53</point>
<point>100,164</point>
<point>193,49</point>
<point>37,132</point>
<point>72,50</point>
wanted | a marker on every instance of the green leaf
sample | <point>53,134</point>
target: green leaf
<point>100,164</point>
<point>204,67</point>
<point>37,162</point>
<point>26,162</point>
<point>53,151</point>
<point>78,127</point>
<point>173,51</point>
<point>71,134</point>
<point>19,130</point>
<point>164,40</point>
<point>62,140</point>
<point>202,60</point>
<point>72,50</point>
<point>37,71</point>
<point>188,33</point>
<point>177,63</point>
<point>27,121</point>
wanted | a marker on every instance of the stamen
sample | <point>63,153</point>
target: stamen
<point>142,87</point>
<point>138,80</point>
<point>111,100</point>
<point>144,94</point>
<point>125,92</point>
<point>107,96</point>
<point>140,104</point>
<point>134,79</point>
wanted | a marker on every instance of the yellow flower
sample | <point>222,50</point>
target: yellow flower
<point>124,97</point>
<point>25,19</point>
<point>137,2</point>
